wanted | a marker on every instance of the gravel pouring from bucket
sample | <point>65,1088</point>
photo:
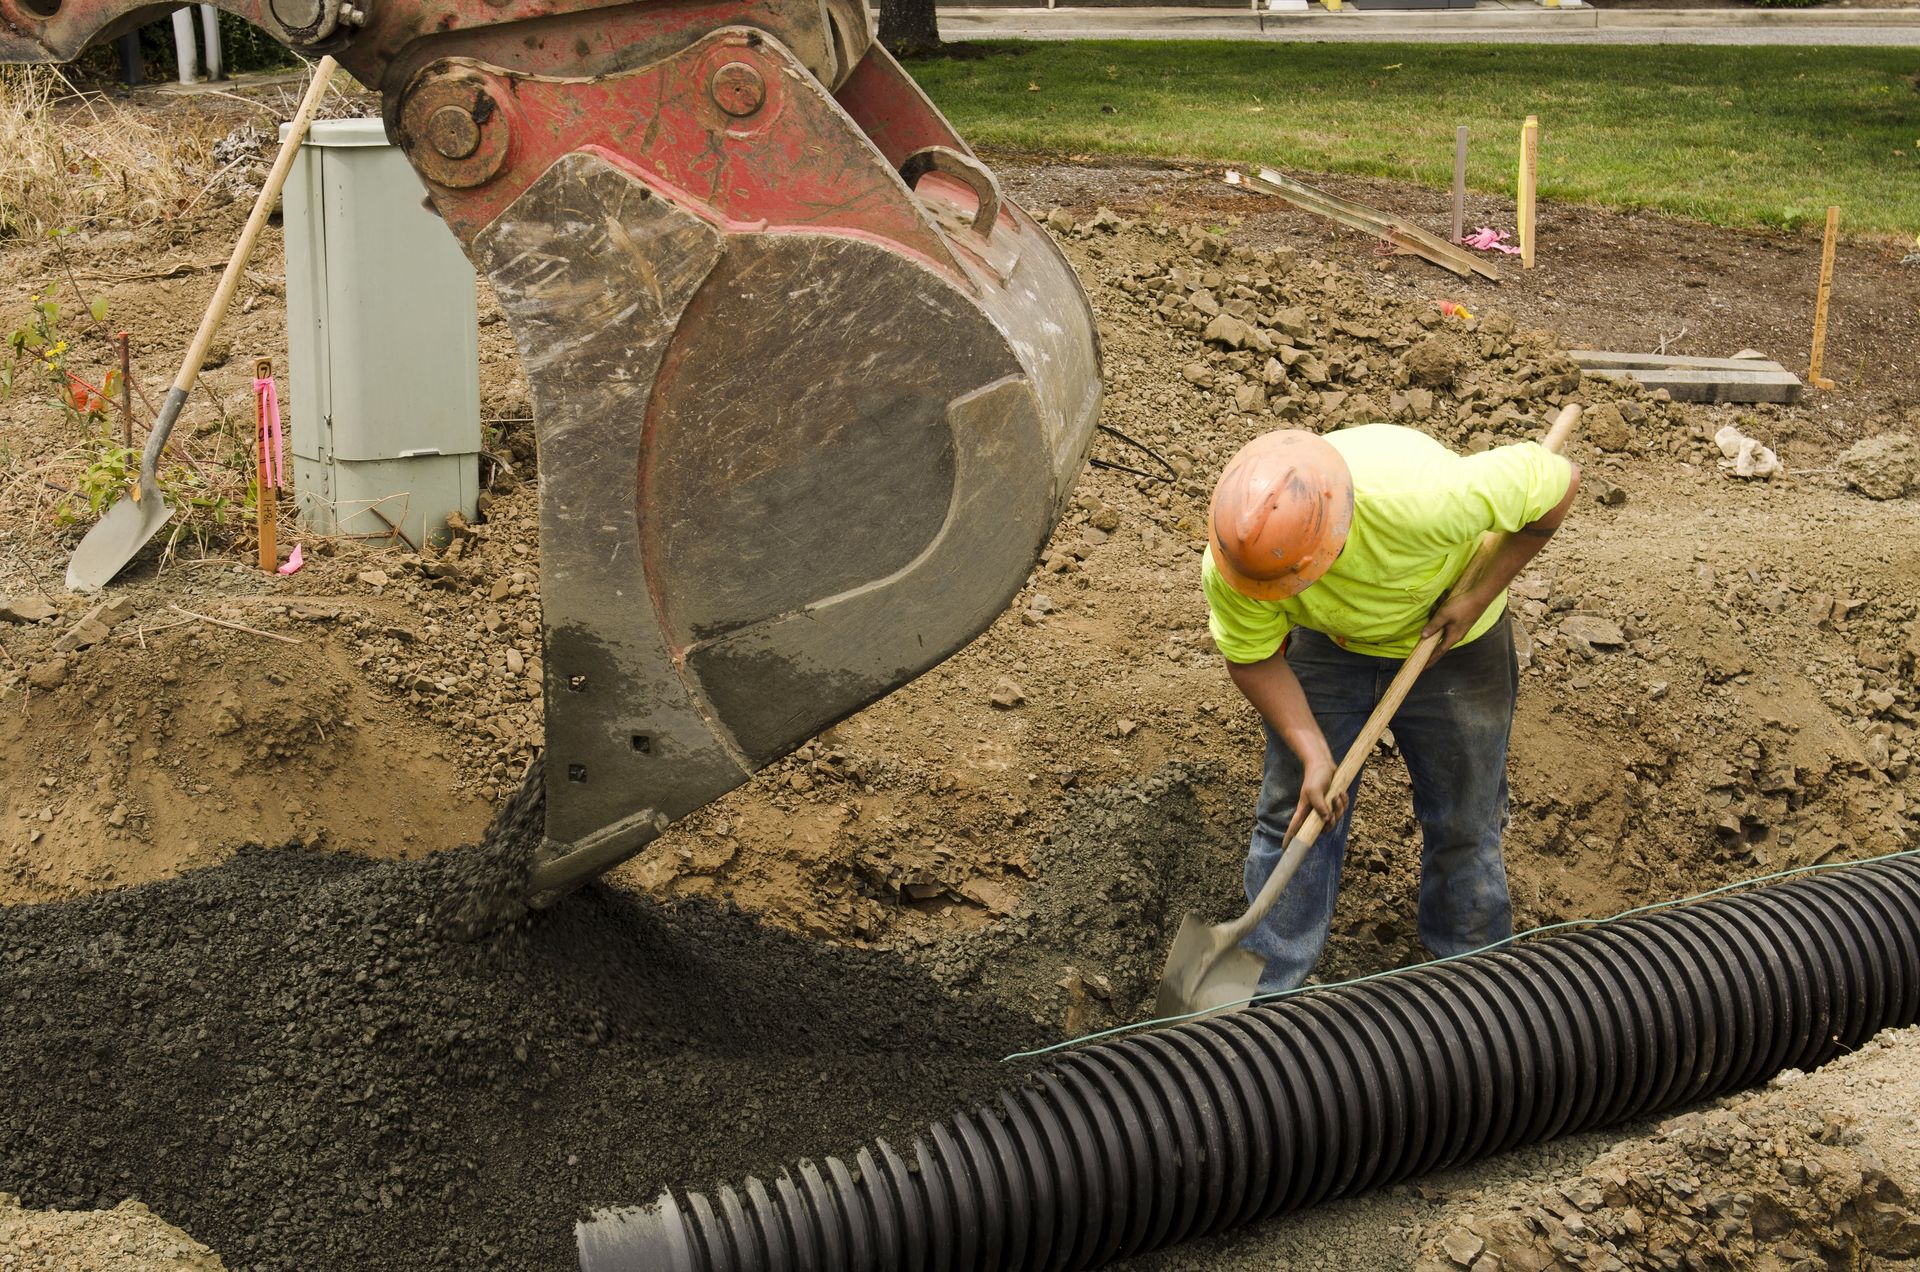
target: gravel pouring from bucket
<point>1208,969</point>
<point>137,517</point>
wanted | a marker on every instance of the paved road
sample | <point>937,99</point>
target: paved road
<point>1497,23</point>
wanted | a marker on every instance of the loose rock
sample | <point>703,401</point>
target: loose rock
<point>1883,467</point>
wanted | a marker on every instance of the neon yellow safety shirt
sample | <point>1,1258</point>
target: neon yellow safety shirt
<point>1419,510</point>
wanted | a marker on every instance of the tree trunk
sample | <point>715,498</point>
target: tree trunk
<point>908,28</point>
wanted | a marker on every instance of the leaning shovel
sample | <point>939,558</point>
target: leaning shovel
<point>1208,969</point>
<point>127,526</point>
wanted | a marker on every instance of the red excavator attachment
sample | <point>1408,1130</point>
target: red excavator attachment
<point>810,393</point>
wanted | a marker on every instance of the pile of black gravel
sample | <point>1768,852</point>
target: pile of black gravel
<point>291,1057</point>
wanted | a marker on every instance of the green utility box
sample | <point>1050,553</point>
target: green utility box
<point>383,343</point>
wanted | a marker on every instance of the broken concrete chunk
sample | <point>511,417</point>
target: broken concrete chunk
<point>1292,322</point>
<point>1462,1246</point>
<point>95,625</point>
<point>84,634</point>
<point>1235,333</point>
<point>25,609</point>
<point>1601,633</point>
<point>1883,467</point>
<point>1534,587</point>
<point>1605,493</point>
<point>985,892</point>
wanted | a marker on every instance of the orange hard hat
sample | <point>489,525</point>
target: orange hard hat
<point>1280,514</point>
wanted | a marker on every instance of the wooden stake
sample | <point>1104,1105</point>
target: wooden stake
<point>1460,183</point>
<point>1820,302</point>
<point>1529,160</point>
<point>266,505</point>
<point>126,392</point>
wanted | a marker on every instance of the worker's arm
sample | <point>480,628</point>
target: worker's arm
<point>1454,617</point>
<point>1275,693</point>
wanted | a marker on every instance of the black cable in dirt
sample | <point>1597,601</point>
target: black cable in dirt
<point>1143,448</point>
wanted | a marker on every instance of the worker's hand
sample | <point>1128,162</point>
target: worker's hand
<point>1453,618</point>
<point>1317,795</point>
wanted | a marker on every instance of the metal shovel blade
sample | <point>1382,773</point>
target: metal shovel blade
<point>114,540</point>
<point>1208,970</point>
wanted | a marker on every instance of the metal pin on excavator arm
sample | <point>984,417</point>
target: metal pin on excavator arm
<point>810,394</point>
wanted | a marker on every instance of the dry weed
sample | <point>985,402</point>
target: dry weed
<point>69,160</point>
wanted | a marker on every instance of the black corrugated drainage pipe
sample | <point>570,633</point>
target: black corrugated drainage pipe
<point>1161,1137</point>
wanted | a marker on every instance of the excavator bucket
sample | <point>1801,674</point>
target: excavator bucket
<point>810,393</point>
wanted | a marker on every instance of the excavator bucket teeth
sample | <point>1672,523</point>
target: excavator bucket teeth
<point>784,468</point>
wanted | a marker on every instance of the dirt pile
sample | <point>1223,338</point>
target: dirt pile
<point>1804,1176</point>
<point>292,1057</point>
<point>127,1238</point>
<point>1305,343</point>
<point>159,742</point>
<point>1715,681</point>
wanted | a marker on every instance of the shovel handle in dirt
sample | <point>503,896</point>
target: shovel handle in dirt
<point>114,540</point>
<point>216,314</point>
<point>1207,968</point>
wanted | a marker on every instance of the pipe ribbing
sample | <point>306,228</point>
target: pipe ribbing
<point>1156,1138</point>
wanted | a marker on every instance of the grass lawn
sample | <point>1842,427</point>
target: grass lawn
<point>1734,136</point>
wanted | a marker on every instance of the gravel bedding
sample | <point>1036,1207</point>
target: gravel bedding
<point>295,1057</point>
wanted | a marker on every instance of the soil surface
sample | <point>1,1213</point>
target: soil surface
<point>127,1238</point>
<point>290,1055</point>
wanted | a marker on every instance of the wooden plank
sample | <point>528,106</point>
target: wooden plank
<point>1431,246</point>
<point>1401,234</point>
<point>1609,359</point>
<point>1782,387</point>
<point>1820,302</point>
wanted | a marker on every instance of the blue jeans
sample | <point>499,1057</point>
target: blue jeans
<point>1452,730</point>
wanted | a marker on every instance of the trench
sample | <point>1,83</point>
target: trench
<point>1158,1138</point>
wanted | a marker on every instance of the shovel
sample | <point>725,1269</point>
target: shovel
<point>127,526</point>
<point>1208,969</point>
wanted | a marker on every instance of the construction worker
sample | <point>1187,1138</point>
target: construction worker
<point>1327,562</point>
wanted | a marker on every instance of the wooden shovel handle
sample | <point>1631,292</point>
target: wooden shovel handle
<point>256,222</point>
<point>1384,711</point>
<point>216,313</point>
